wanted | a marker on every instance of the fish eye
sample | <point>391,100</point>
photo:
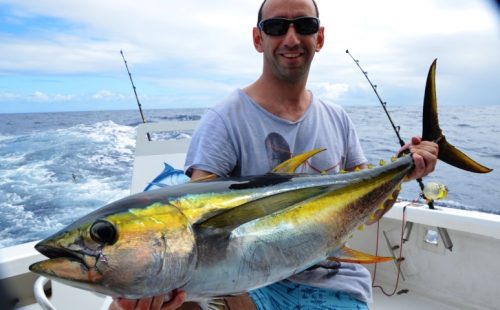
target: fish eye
<point>103,232</point>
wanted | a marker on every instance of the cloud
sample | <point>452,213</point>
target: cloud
<point>62,54</point>
<point>149,31</point>
<point>196,51</point>
<point>107,95</point>
<point>39,96</point>
<point>8,96</point>
<point>331,91</point>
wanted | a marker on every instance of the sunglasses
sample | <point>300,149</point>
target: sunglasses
<point>279,26</point>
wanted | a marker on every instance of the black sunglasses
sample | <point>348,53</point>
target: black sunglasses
<point>279,26</point>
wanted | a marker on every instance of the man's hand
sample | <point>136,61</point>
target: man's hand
<point>149,303</point>
<point>424,155</point>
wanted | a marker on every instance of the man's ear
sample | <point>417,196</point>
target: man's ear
<point>257,40</point>
<point>320,38</point>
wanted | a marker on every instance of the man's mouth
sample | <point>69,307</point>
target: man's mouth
<point>291,55</point>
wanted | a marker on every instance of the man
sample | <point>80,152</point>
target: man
<point>276,117</point>
<point>266,122</point>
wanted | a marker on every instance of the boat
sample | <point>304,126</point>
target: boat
<point>444,258</point>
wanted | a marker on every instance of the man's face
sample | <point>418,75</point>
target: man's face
<point>288,57</point>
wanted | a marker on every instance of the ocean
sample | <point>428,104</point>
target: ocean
<point>57,167</point>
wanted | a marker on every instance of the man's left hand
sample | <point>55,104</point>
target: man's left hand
<point>425,154</point>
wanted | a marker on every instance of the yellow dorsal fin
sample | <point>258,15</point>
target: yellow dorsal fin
<point>290,165</point>
<point>205,178</point>
<point>348,255</point>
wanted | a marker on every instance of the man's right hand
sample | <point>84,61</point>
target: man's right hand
<point>149,303</point>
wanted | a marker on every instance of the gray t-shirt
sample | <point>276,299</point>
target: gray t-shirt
<point>238,138</point>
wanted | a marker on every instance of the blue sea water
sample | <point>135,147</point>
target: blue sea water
<point>56,167</point>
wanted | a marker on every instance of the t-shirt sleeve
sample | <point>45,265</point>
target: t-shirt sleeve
<point>211,148</point>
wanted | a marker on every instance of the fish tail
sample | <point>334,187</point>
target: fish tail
<point>432,132</point>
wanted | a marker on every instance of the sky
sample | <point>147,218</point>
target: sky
<point>65,55</point>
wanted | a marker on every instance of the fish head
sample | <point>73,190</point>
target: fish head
<point>135,253</point>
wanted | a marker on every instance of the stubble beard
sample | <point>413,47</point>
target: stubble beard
<point>289,75</point>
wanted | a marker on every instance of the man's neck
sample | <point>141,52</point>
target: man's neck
<point>287,101</point>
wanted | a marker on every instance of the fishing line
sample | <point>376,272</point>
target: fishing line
<point>399,260</point>
<point>397,129</point>
<point>430,202</point>
<point>135,92</point>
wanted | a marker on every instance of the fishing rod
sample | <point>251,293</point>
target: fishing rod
<point>135,92</point>
<point>406,229</point>
<point>430,202</point>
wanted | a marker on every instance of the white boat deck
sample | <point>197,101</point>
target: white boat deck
<point>408,301</point>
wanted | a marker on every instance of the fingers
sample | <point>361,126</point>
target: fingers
<point>123,304</point>
<point>177,300</point>
<point>414,141</point>
<point>149,303</point>
<point>145,303</point>
<point>424,155</point>
<point>157,302</point>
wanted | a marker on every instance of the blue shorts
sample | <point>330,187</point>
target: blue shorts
<point>287,295</point>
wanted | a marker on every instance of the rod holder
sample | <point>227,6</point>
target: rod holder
<point>407,231</point>
<point>443,233</point>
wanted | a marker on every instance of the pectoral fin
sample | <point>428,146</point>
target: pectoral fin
<point>247,212</point>
<point>348,255</point>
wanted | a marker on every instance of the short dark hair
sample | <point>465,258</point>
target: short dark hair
<point>259,16</point>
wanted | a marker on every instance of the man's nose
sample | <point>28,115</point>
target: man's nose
<point>291,36</point>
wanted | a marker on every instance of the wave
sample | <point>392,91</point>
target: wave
<point>49,178</point>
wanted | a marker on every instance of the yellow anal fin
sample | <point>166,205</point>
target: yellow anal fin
<point>205,178</point>
<point>348,255</point>
<point>290,165</point>
<point>217,303</point>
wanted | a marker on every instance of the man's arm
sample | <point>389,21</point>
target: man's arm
<point>198,174</point>
<point>424,153</point>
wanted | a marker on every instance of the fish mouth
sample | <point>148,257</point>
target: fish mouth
<point>64,264</point>
<point>52,252</point>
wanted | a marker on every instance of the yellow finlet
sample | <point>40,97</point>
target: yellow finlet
<point>290,165</point>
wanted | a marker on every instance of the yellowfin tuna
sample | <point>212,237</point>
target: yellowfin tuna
<point>230,235</point>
